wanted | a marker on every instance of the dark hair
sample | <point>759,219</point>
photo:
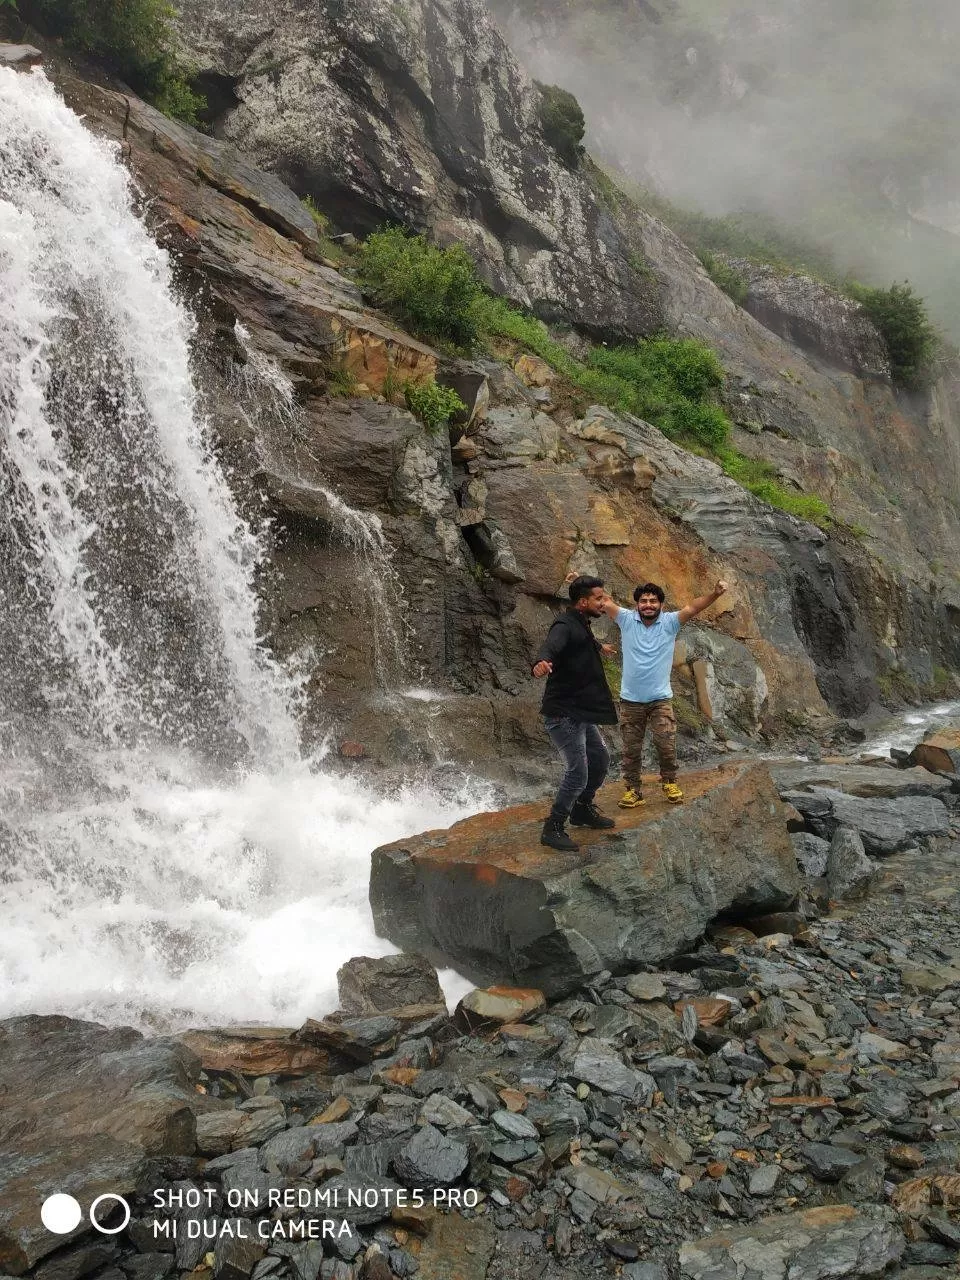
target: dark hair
<point>582,586</point>
<point>650,589</point>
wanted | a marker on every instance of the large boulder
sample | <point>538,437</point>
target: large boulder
<point>815,1244</point>
<point>885,825</point>
<point>486,896</point>
<point>869,781</point>
<point>82,1107</point>
<point>939,752</point>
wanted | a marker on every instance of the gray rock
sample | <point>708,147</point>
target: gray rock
<point>148,1266</point>
<point>600,1065</point>
<point>811,851</point>
<point>763,1180</point>
<point>826,1162</point>
<point>234,1257</point>
<point>445,1113</point>
<point>370,986</point>
<point>645,986</point>
<point>290,1152</point>
<point>849,870</point>
<point>816,1244</point>
<point>431,1159</point>
<point>514,1125</point>
<point>888,825</point>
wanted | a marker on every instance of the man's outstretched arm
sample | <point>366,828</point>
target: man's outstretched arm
<point>702,602</point>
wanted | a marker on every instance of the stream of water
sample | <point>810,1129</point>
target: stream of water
<point>167,857</point>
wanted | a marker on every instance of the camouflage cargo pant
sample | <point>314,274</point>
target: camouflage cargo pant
<point>634,718</point>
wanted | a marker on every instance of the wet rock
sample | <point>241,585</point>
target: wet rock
<point>551,921</point>
<point>431,1159</point>
<point>496,1006</point>
<point>939,752</point>
<point>811,851</point>
<point>361,1039</point>
<point>849,871</point>
<point>826,1162</point>
<point>370,986</point>
<point>101,1100</point>
<point>818,1244</point>
<point>255,1051</point>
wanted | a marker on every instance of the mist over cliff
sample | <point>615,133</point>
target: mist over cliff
<point>840,116</point>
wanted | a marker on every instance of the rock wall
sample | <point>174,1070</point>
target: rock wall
<point>484,527</point>
<point>417,113</point>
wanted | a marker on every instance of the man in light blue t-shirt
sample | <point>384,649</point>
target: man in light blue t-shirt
<point>648,636</point>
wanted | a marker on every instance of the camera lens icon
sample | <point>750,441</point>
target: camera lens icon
<point>61,1213</point>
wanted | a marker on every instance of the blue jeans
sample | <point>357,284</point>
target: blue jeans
<point>585,761</point>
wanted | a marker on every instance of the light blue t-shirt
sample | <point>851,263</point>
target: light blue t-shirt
<point>647,655</point>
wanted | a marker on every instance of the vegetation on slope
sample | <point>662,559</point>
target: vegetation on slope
<point>672,382</point>
<point>900,316</point>
<point>132,37</point>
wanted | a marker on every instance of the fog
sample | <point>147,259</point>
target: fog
<point>841,116</point>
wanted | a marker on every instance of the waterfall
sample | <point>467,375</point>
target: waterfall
<point>166,856</point>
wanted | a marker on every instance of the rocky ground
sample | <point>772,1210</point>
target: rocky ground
<point>781,1101</point>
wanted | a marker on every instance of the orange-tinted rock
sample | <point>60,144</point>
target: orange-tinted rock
<point>711,1012</point>
<point>489,897</point>
<point>496,1006</point>
<point>338,1109</point>
<point>256,1051</point>
<point>939,752</point>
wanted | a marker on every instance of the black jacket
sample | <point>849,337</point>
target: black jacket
<point>578,686</point>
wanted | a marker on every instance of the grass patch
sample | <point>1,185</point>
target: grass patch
<point>724,276</point>
<point>760,479</point>
<point>672,382</point>
<point>328,248</point>
<point>132,37</point>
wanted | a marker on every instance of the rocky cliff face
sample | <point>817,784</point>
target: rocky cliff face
<point>417,113</point>
<point>484,525</point>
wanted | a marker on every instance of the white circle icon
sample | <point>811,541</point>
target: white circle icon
<point>60,1213</point>
<point>115,1199</point>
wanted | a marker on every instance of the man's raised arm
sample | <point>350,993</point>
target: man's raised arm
<point>702,602</point>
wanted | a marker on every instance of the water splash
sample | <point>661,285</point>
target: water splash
<point>166,856</point>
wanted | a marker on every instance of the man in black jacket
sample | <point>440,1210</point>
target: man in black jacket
<point>576,700</point>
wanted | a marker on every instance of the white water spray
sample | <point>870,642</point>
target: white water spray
<point>145,875</point>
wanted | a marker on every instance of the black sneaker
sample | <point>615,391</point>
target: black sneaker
<point>554,836</point>
<point>588,815</point>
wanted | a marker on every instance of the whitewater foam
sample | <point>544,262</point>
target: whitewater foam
<point>166,857</point>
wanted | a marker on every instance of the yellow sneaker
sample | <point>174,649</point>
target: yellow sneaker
<point>673,793</point>
<point>631,799</point>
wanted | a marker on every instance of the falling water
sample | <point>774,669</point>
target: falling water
<point>165,854</point>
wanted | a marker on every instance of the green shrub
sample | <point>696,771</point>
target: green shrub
<point>901,318</point>
<point>434,292</point>
<point>724,276</point>
<point>760,479</point>
<point>132,37</point>
<point>562,122</point>
<point>433,404</point>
